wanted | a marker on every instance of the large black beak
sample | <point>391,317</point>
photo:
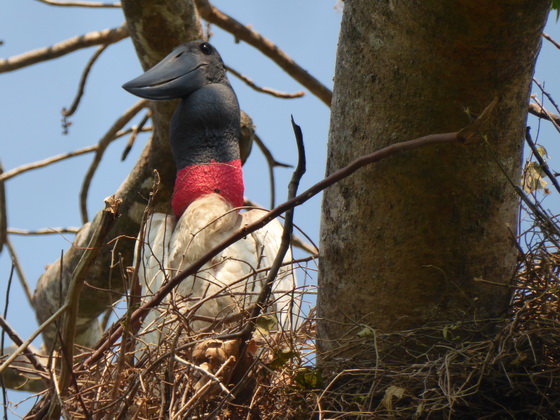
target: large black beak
<point>177,75</point>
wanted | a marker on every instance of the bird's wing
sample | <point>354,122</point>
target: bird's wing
<point>152,271</point>
<point>217,286</point>
<point>286,297</point>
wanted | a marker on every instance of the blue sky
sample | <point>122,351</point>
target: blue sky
<point>32,99</point>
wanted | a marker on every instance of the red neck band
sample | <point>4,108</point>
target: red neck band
<point>195,181</point>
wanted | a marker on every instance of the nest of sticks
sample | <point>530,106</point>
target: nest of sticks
<point>510,370</point>
<point>512,373</point>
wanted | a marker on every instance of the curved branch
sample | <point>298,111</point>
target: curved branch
<point>107,36</point>
<point>134,133</point>
<point>79,4</point>
<point>45,162</point>
<point>539,111</point>
<point>109,136</point>
<point>267,47</point>
<point>46,231</point>
<point>549,39</point>
<point>83,80</point>
<point>273,92</point>
<point>272,163</point>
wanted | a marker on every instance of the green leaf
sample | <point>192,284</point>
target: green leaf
<point>281,357</point>
<point>366,332</point>
<point>308,378</point>
<point>265,323</point>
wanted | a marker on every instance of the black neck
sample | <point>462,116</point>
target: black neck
<point>206,127</point>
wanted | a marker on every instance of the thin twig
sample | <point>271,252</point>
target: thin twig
<point>264,295</point>
<point>83,80</point>
<point>6,304</point>
<point>296,240</point>
<point>46,231</point>
<point>540,159</point>
<point>433,139</point>
<point>269,91</point>
<point>33,336</point>
<point>100,150</point>
<point>265,46</point>
<point>107,36</point>
<point>19,271</point>
<point>548,95</point>
<point>272,163</point>
<point>553,42</point>
<point>3,212</point>
<point>539,111</point>
<point>33,359</point>
<point>108,216</point>
<point>134,133</point>
<point>79,4</point>
<point>204,372</point>
<point>45,162</point>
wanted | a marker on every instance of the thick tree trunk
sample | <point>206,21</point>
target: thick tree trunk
<point>403,242</point>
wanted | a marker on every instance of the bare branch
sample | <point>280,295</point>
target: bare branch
<point>267,47</point>
<point>539,111</point>
<point>107,219</point>
<point>553,42</point>
<point>542,162</point>
<point>272,163</point>
<point>273,92</point>
<point>3,212</point>
<point>79,4</point>
<point>100,150</point>
<point>297,242</point>
<point>134,133</point>
<point>548,95</point>
<point>42,163</point>
<point>37,364</point>
<point>107,36</point>
<point>19,271</point>
<point>33,336</point>
<point>83,80</point>
<point>46,231</point>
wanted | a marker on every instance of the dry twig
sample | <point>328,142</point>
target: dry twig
<point>19,271</point>
<point>42,163</point>
<point>107,36</point>
<point>109,136</point>
<point>269,91</point>
<point>267,47</point>
<point>81,87</point>
<point>79,4</point>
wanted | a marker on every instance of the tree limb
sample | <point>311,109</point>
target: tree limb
<point>109,136</point>
<point>273,92</point>
<point>79,4</point>
<point>107,36</point>
<point>267,47</point>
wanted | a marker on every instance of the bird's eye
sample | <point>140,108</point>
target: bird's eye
<point>179,55</point>
<point>206,48</point>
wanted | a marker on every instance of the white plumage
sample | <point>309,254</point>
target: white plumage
<point>225,286</point>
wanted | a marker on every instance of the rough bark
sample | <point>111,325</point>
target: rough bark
<point>403,241</point>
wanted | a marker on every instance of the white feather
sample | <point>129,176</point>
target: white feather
<point>224,286</point>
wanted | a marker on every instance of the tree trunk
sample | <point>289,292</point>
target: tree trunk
<point>404,242</point>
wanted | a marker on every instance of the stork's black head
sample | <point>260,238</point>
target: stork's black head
<point>187,68</point>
